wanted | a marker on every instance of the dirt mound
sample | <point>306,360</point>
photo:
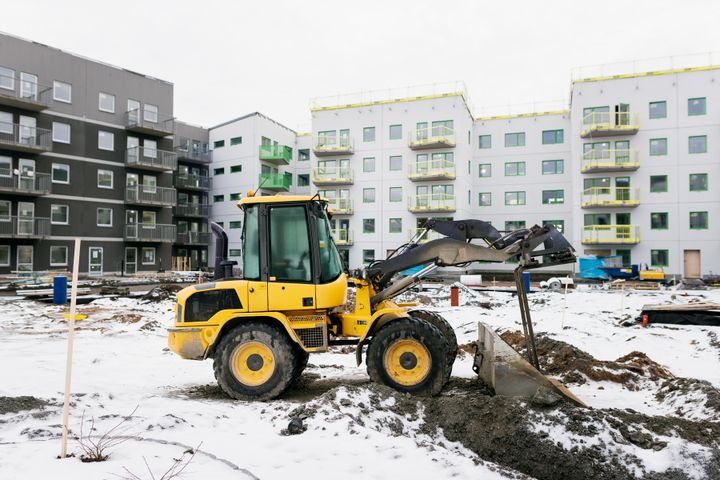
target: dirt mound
<point>162,292</point>
<point>126,318</point>
<point>17,404</point>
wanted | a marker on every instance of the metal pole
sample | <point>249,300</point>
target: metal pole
<point>71,337</point>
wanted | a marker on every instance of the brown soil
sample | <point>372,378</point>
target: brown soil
<point>162,292</point>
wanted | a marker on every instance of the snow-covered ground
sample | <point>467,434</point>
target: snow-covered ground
<point>121,362</point>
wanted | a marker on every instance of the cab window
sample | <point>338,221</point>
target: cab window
<point>289,244</point>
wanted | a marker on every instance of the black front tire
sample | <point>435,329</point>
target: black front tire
<point>446,329</point>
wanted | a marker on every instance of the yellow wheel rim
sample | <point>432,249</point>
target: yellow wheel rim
<point>407,362</point>
<point>252,363</point>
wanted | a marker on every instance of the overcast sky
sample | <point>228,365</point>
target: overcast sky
<point>228,58</point>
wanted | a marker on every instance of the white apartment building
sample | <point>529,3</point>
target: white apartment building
<point>625,170</point>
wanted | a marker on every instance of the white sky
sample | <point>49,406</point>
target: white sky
<point>229,58</point>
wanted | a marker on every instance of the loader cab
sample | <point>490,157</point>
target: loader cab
<point>289,257</point>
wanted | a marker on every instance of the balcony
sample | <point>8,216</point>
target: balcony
<point>340,206</point>
<point>609,124</point>
<point>151,159</point>
<point>27,185</point>
<point>277,154</point>
<point>152,196</point>
<point>25,139</point>
<point>343,237</point>
<point>275,181</point>
<point>611,235</point>
<point>433,137</point>
<point>150,232</point>
<point>193,182</point>
<point>429,235</point>
<point>334,176</point>
<point>193,155</point>
<point>149,123</point>
<point>327,146</point>
<point>620,197</point>
<point>610,160</point>
<point>431,170</point>
<point>17,93</point>
<point>193,238</point>
<point>192,210</point>
<point>24,227</point>
<point>432,203</point>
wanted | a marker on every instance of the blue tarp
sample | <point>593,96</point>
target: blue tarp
<point>590,267</point>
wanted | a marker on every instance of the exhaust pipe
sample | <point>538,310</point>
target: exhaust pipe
<point>223,266</point>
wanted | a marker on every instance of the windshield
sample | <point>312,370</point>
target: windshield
<point>330,264</point>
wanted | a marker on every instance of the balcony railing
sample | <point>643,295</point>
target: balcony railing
<point>151,159</point>
<point>610,160</point>
<point>25,139</point>
<point>24,227</point>
<point>193,182</point>
<point>189,153</point>
<point>149,123</point>
<point>149,232</point>
<point>611,234</point>
<point>439,202</point>
<point>340,206</point>
<point>17,93</point>
<point>193,210</point>
<point>343,236</point>
<point>35,184</point>
<point>146,195</point>
<point>438,136</point>
<point>332,176</point>
<point>607,124</point>
<point>431,170</point>
<point>194,238</point>
<point>277,154</point>
<point>275,181</point>
<point>610,197</point>
<point>328,145</point>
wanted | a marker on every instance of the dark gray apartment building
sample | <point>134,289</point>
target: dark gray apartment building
<point>92,150</point>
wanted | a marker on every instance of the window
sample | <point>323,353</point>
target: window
<point>104,217</point>
<point>658,183</point>
<point>594,115</point>
<point>235,141</point>
<point>150,148</point>
<point>698,220</point>
<point>5,166</point>
<point>4,249</point>
<point>4,210</point>
<point>62,92</point>
<point>659,258</point>
<point>485,170</point>
<point>369,134</point>
<point>7,80</point>
<point>515,139</point>
<point>234,197</point>
<point>658,146</point>
<point>150,113</point>
<point>395,225</point>
<point>512,225</point>
<point>58,256</point>
<point>6,123</point>
<point>698,182</point>
<point>553,167</point>
<point>303,180</point>
<point>514,169</point>
<point>218,144</point>
<point>395,163</point>
<point>368,195</point>
<point>396,194</point>
<point>514,198</point>
<point>235,168</point>
<point>395,132</point>
<point>106,102</point>
<point>369,164</point>
<point>218,198</point>
<point>106,140</point>
<point>234,252</point>
<point>368,256</point>
<point>368,225</point>
<point>697,106</point>
<point>697,144</point>
<point>59,214</point>
<point>60,173</point>
<point>485,199</point>
<point>289,244</point>
<point>149,218</point>
<point>148,256</point>
<point>550,197</point>
<point>235,224</point>
<point>659,220</point>
<point>219,171</point>
<point>658,110</point>
<point>485,141</point>
<point>149,183</point>
<point>303,155</point>
<point>550,137</point>
<point>558,224</point>
<point>60,132</point>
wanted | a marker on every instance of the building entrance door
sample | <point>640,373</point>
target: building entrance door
<point>692,264</point>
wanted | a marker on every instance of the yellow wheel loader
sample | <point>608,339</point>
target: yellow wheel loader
<point>293,300</point>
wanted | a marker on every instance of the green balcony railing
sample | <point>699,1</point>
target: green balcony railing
<point>276,154</point>
<point>275,181</point>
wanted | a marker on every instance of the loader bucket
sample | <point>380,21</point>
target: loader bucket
<point>509,374</point>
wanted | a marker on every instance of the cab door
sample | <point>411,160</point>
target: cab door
<point>257,299</point>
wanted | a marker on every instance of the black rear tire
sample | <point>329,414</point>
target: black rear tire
<point>301,361</point>
<point>446,329</point>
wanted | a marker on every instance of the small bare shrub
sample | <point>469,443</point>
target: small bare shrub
<point>175,470</point>
<point>97,448</point>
